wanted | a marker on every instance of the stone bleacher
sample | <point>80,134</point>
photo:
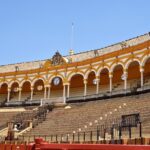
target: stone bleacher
<point>15,114</point>
<point>64,121</point>
<point>5,117</point>
<point>38,95</point>
<point>3,97</point>
<point>25,96</point>
<point>14,97</point>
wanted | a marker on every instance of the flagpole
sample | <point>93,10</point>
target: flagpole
<point>72,35</point>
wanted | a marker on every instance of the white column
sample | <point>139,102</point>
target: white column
<point>64,93</point>
<point>45,92</point>
<point>142,76</point>
<point>19,97</point>
<point>110,82</point>
<point>49,91</point>
<point>32,89</point>
<point>97,85</point>
<point>125,80</point>
<point>68,90</point>
<point>85,87</point>
<point>8,94</point>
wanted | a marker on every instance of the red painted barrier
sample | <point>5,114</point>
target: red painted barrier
<point>17,147</point>
<point>30,147</point>
<point>2,147</point>
<point>40,145</point>
<point>90,147</point>
<point>8,147</point>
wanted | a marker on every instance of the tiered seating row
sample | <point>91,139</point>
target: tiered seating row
<point>63,121</point>
<point>5,117</point>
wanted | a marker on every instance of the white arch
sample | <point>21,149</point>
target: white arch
<point>77,73</point>
<point>21,84</point>
<point>115,65</point>
<point>144,60</point>
<point>12,82</point>
<point>35,80</point>
<point>54,76</point>
<point>100,70</point>
<point>88,72</point>
<point>130,61</point>
<point>3,83</point>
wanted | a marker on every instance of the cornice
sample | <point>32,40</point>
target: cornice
<point>104,57</point>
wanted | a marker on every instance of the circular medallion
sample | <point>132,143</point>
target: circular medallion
<point>16,89</point>
<point>40,88</point>
<point>124,76</point>
<point>56,81</point>
<point>95,81</point>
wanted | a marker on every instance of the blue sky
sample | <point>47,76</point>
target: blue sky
<point>35,29</point>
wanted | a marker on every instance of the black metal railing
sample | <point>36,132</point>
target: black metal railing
<point>110,129</point>
<point>23,119</point>
<point>101,133</point>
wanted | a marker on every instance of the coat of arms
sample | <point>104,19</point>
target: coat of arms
<point>57,59</point>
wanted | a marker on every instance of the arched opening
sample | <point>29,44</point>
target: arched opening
<point>147,72</point>
<point>134,75</point>
<point>117,82</point>
<point>38,92</point>
<point>3,92</point>
<point>91,84</point>
<point>26,91</point>
<point>76,86</point>
<point>14,95</point>
<point>104,81</point>
<point>56,87</point>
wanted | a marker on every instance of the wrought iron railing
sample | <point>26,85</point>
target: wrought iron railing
<point>100,133</point>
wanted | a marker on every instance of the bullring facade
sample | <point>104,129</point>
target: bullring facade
<point>122,66</point>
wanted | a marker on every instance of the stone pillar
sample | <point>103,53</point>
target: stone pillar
<point>19,97</point>
<point>32,89</point>
<point>49,91</point>
<point>45,92</point>
<point>68,90</point>
<point>110,82</point>
<point>142,76</point>
<point>8,94</point>
<point>125,79</point>
<point>64,93</point>
<point>85,87</point>
<point>97,84</point>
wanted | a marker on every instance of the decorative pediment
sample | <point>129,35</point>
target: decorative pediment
<point>57,59</point>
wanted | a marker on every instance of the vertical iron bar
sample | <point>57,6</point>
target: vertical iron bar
<point>91,136</point>
<point>78,137</point>
<point>84,136</point>
<point>56,138</point>
<point>129,132</point>
<point>73,136</point>
<point>97,133</point>
<point>104,134</point>
<point>140,129</point>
